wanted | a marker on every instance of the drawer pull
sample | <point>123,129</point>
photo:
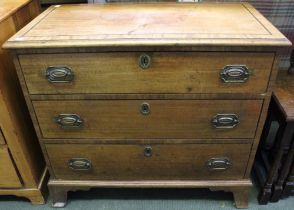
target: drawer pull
<point>148,151</point>
<point>234,74</point>
<point>218,164</point>
<point>144,61</point>
<point>145,108</point>
<point>59,74</point>
<point>79,164</point>
<point>225,121</point>
<point>69,121</point>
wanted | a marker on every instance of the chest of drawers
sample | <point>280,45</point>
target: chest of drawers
<point>148,95</point>
<point>22,167</point>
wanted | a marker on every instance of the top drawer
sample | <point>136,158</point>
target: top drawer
<point>151,72</point>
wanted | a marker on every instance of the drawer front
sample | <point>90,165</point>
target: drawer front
<point>150,119</point>
<point>8,174</point>
<point>148,162</point>
<point>160,72</point>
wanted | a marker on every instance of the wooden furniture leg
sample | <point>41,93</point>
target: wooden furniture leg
<point>267,126</point>
<point>291,67</point>
<point>289,185</point>
<point>281,145</point>
<point>59,196</point>
<point>261,164</point>
<point>240,194</point>
<point>278,186</point>
<point>283,137</point>
<point>241,197</point>
<point>59,193</point>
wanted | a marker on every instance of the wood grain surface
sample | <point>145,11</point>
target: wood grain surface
<point>2,139</point>
<point>15,122</point>
<point>25,14</point>
<point>148,24</point>
<point>23,167</point>
<point>188,47</point>
<point>9,7</point>
<point>285,100</point>
<point>122,119</point>
<point>8,174</point>
<point>284,94</point>
<point>170,72</point>
<point>127,162</point>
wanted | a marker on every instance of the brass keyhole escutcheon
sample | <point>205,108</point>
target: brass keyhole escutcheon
<point>145,108</point>
<point>148,151</point>
<point>144,61</point>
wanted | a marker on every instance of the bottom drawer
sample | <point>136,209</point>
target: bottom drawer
<point>148,162</point>
<point>8,174</point>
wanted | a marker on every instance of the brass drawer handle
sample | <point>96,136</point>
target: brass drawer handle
<point>145,108</point>
<point>144,61</point>
<point>69,121</point>
<point>234,74</point>
<point>59,74</point>
<point>79,164</point>
<point>225,121</point>
<point>218,164</point>
<point>148,151</point>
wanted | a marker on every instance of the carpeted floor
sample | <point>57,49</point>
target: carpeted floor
<point>146,199</point>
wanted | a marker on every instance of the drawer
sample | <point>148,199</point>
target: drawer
<point>149,119</point>
<point>148,162</point>
<point>158,72</point>
<point>8,174</point>
<point>2,140</point>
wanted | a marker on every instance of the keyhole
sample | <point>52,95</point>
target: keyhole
<point>145,108</point>
<point>144,61</point>
<point>148,151</point>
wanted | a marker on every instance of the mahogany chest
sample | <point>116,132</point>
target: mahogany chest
<point>148,95</point>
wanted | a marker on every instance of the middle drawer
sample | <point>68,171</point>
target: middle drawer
<point>148,119</point>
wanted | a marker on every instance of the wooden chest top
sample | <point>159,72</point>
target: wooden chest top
<point>168,24</point>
